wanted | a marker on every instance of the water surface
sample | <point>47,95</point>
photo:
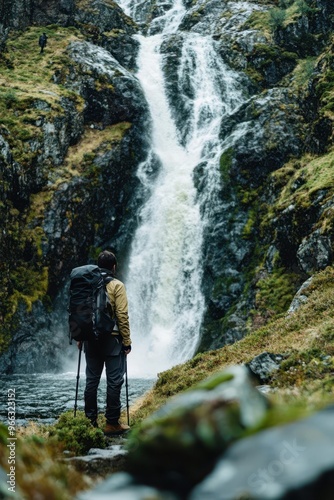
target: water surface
<point>43,397</point>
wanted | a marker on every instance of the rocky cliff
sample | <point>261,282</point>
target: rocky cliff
<point>74,128</point>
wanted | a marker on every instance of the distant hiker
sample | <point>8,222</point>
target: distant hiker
<point>108,350</point>
<point>42,41</point>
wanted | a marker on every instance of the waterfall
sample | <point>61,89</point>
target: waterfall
<point>164,279</point>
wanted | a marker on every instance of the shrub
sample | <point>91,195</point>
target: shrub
<point>76,434</point>
<point>276,18</point>
<point>303,6</point>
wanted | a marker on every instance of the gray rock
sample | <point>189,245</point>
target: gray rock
<point>315,252</point>
<point>291,462</point>
<point>105,16</point>
<point>100,462</point>
<point>299,299</point>
<point>121,100</point>
<point>122,486</point>
<point>264,365</point>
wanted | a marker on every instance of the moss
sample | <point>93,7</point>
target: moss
<point>259,20</point>
<point>250,225</point>
<point>275,291</point>
<point>303,73</point>
<point>226,164</point>
<point>317,174</point>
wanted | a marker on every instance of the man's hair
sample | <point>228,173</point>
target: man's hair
<point>107,260</point>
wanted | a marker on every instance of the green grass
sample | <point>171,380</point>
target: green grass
<point>26,80</point>
<point>305,338</point>
<point>314,174</point>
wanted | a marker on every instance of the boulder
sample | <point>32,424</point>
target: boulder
<point>264,365</point>
<point>294,461</point>
<point>100,462</point>
<point>117,98</point>
<point>315,252</point>
<point>300,298</point>
<point>178,445</point>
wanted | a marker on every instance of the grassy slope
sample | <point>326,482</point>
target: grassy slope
<point>306,338</point>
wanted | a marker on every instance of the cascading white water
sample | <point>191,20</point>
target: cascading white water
<point>165,272</point>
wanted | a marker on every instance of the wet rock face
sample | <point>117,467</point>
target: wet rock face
<point>39,342</point>
<point>122,100</point>
<point>51,148</point>
<point>315,252</point>
<point>105,15</point>
<point>302,35</point>
<point>123,47</point>
<point>272,127</point>
<point>19,14</point>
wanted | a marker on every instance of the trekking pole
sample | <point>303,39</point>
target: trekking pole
<point>127,389</point>
<point>77,386</point>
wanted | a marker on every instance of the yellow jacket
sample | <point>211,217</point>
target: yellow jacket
<point>119,303</point>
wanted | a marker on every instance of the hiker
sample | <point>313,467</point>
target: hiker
<point>42,41</point>
<point>109,350</point>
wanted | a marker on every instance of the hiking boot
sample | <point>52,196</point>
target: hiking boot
<point>115,429</point>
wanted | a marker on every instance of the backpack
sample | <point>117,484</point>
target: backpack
<point>89,306</point>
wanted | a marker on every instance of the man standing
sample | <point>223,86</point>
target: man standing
<point>109,351</point>
<point>42,41</point>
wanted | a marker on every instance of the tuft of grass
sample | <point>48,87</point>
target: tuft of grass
<point>275,291</point>
<point>313,175</point>
<point>306,338</point>
<point>76,434</point>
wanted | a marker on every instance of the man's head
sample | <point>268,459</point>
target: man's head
<point>107,260</point>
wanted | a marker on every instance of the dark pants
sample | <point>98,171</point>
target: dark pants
<point>96,358</point>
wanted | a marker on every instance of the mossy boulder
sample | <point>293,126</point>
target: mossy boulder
<point>179,444</point>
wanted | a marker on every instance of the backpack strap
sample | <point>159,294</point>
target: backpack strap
<point>106,275</point>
